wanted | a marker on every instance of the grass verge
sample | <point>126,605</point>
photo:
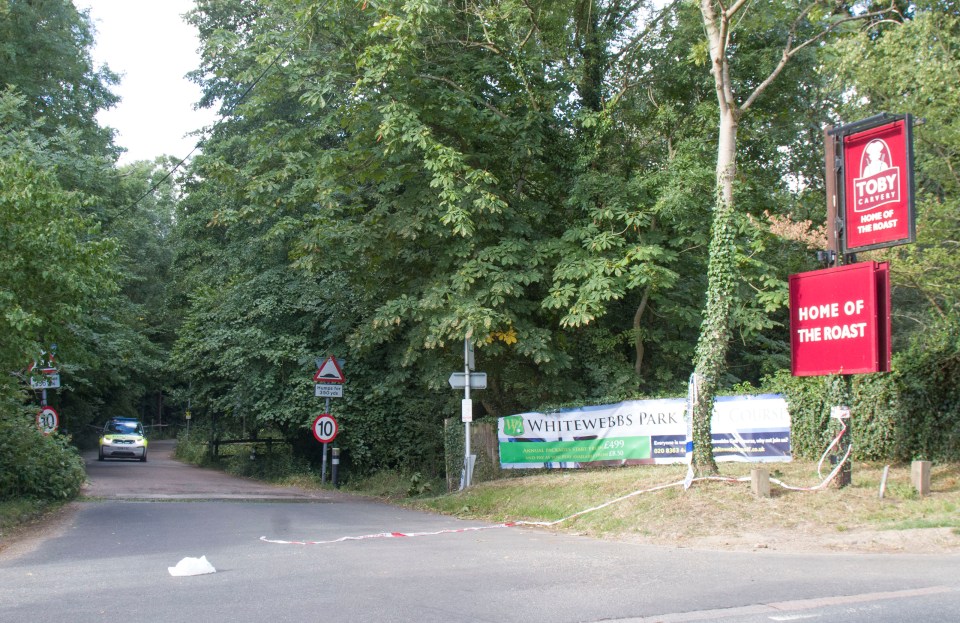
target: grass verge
<point>711,507</point>
<point>17,516</point>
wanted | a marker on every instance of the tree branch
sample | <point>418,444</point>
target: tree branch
<point>789,52</point>
<point>460,89</point>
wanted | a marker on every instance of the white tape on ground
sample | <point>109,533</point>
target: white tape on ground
<point>388,535</point>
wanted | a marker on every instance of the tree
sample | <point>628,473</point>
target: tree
<point>799,26</point>
<point>45,54</point>
<point>903,70</point>
<point>55,264</point>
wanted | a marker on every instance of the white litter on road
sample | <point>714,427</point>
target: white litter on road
<point>191,566</point>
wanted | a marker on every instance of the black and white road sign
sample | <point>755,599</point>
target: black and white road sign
<point>328,391</point>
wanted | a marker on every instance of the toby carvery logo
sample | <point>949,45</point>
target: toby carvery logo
<point>879,181</point>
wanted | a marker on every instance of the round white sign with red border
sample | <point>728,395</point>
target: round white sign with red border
<point>48,420</point>
<point>325,428</point>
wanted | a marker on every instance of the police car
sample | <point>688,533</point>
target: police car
<point>123,438</point>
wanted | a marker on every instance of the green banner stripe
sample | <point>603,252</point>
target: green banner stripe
<point>583,451</point>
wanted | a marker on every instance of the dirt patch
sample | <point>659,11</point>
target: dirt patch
<point>24,539</point>
<point>814,541</point>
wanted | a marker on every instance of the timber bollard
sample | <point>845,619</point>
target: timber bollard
<point>336,468</point>
<point>760,482</point>
<point>920,476</point>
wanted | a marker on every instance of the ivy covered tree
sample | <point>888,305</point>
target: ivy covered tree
<point>742,75</point>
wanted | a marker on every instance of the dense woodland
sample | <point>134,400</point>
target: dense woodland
<point>602,195</point>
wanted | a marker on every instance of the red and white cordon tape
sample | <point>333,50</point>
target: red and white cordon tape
<point>389,535</point>
<point>508,524</point>
<point>546,524</point>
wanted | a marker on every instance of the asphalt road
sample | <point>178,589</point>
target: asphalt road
<point>108,560</point>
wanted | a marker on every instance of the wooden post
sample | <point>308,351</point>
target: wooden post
<point>760,482</point>
<point>830,181</point>
<point>920,476</point>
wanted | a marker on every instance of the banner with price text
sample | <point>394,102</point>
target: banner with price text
<point>744,428</point>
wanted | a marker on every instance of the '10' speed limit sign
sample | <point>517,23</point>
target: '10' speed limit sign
<point>325,428</point>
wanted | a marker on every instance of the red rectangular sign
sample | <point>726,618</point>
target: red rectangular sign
<point>839,320</point>
<point>878,186</point>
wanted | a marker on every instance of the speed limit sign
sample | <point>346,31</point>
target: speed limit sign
<point>325,428</point>
<point>48,420</point>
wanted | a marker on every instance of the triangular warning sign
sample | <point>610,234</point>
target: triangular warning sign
<point>329,372</point>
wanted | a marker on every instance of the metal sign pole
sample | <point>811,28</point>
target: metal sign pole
<point>467,463</point>
<point>323,464</point>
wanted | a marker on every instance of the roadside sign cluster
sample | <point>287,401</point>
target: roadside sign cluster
<point>329,381</point>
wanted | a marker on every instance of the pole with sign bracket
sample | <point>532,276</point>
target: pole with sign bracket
<point>323,464</point>
<point>468,379</point>
<point>466,414</point>
<point>328,379</point>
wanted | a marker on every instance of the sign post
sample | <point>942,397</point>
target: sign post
<point>467,380</point>
<point>325,430</point>
<point>840,317</point>
<point>329,384</point>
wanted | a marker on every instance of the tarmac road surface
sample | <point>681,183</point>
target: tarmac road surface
<point>107,559</point>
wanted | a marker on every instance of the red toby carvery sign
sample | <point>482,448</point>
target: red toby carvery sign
<point>878,186</point>
<point>840,320</point>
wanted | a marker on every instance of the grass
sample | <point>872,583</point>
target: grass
<point>21,514</point>
<point>711,507</point>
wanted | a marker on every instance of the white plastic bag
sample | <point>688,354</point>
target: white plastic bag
<point>191,566</point>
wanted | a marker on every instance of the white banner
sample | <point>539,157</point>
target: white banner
<point>744,428</point>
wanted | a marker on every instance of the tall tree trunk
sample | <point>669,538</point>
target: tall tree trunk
<point>714,340</point>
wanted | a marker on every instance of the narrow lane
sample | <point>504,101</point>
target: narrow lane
<point>109,561</point>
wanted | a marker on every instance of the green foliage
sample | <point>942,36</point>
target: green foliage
<point>36,466</point>
<point>192,446</point>
<point>80,267</point>
<point>929,384</point>
<point>54,267</point>
<point>44,53</point>
<point>256,461</point>
<point>910,413</point>
<point>904,71</point>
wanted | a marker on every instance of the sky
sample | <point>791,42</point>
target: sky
<point>152,48</point>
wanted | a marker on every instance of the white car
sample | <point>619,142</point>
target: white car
<point>123,438</point>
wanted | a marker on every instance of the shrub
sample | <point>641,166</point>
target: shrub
<point>33,465</point>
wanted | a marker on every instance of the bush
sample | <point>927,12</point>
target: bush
<point>911,413</point>
<point>256,461</point>
<point>37,466</point>
<point>192,446</point>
